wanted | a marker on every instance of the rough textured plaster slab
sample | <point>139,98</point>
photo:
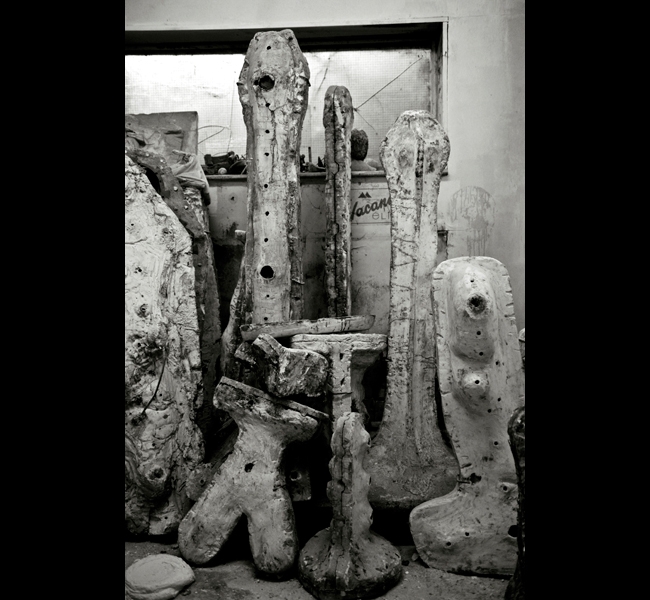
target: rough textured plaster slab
<point>273,89</point>
<point>162,356</point>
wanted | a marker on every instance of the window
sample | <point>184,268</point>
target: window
<point>387,71</point>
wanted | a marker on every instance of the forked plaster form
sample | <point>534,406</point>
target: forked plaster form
<point>251,481</point>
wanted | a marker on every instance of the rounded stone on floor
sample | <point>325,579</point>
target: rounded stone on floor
<point>157,577</point>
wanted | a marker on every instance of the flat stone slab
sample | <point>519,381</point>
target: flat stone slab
<point>157,577</point>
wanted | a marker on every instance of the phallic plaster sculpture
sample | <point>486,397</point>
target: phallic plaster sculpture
<point>338,117</point>
<point>408,461</point>
<point>347,560</point>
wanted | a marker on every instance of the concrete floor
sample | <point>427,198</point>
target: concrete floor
<point>231,576</point>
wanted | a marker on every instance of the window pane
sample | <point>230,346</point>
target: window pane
<point>382,83</point>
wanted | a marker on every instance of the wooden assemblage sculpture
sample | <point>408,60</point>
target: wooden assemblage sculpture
<point>286,372</point>
<point>162,361</point>
<point>516,589</point>
<point>338,118</point>
<point>408,461</point>
<point>473,528</point>
<point>251,481</point>
<point>349,356</point>
<point>273,90</point>
<point>347,559</point>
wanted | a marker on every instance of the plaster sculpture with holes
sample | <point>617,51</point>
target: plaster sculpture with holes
<point>349,354</point>
<point>287,372</point>
<point>473,528</point>
<point>347,559</point>
<point>162,386</point>
<point>273,90</point>
<point>338,117</point>
<point>516,589</point>
<point>251,481</point>
<point>408,461</point>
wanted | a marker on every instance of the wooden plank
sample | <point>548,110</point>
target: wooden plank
<point>338,118</point>
<point>251,481</point>
<point>409,462</point>
<point>347,559</point>
<point>473,528</point>
<point>162,361</point>
<point>287,329</point>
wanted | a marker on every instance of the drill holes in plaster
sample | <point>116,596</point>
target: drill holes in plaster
<point>267,272</point>
<point>496,443</point>
<point>266,239</point>
<point>249,467</point>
